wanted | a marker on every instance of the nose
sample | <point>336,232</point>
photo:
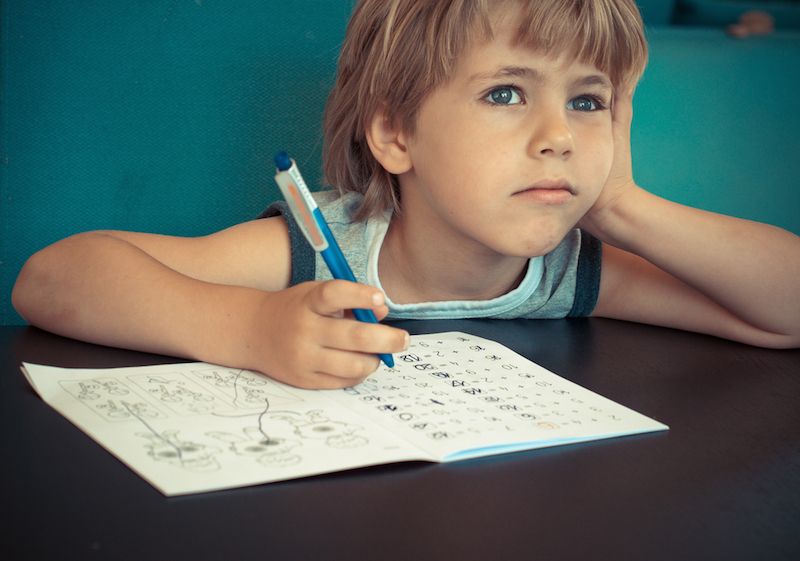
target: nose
<point>551,136</point>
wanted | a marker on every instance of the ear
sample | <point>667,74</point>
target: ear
<point>387,142</point>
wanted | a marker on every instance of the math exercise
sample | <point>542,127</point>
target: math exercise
<point>196,427</point>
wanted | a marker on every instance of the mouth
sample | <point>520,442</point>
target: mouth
<point>548,191</point>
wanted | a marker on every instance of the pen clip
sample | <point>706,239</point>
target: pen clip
<point>302,205</point>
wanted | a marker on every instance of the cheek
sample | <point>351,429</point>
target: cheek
<point>598,161</point>
<point>448,158</point>
<point>607,156</point>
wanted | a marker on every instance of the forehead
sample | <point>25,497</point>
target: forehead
<point>585,32</point>
<point>501,53</point>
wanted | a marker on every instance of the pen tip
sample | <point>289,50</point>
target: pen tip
<point>282,161</point>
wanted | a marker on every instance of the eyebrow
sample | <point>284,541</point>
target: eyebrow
<point>509,72</point>
<point>534,75</point>
<point>594,80</point>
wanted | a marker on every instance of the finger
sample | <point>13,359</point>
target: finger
<point>380,312</point>
<point>622,109</point>
<point>357,336</point>
<point>319,381</point>
<point>622,117</point>
<point>344,368</point>
<point>317,367</point>
<point>331,297</point>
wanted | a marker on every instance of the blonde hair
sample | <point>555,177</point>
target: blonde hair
<point>396,52</point>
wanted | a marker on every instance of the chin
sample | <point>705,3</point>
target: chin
<point>540,242</point>
<point>533,248</point>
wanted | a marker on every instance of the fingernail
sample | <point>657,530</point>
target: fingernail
<point>377,299</point>
<point>406,341</point>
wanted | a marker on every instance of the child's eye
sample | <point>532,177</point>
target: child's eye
<point>504,95</point>
<point>586,103</point>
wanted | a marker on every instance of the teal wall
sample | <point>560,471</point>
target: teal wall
<point>154,115</point>
<point>719,13</point>
<point>717,126</point>
<point>163,115</point>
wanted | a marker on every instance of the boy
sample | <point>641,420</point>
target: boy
<point>468,139</point>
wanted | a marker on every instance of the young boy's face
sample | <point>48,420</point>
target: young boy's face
<point>512,151</point>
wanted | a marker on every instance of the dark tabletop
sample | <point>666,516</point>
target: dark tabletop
<point>722,483</point>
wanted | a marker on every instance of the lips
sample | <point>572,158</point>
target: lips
<point>548,192</point>
<point>549,185</point>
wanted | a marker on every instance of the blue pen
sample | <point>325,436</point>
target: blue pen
<point>311,222</point>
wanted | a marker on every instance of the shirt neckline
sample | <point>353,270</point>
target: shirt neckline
<point>376,229</point>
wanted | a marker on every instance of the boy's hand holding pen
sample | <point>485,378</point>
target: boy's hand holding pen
<point>321,345</point>
<point>313,339</point>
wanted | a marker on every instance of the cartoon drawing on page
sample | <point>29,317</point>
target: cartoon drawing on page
<point>315,425</point>
<point>103,396</point>
<point>178,393</point>
<point>244,389</point>
<point>270,451</point>
<point>169,448</point>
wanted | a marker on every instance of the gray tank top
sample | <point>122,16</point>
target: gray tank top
<point>562,283</point>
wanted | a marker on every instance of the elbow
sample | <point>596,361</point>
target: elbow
<point>782,336</point>
<point>27,290</point>
<point>51,287</point>
<point>35,292</point>
<point>770,340</point>
<point>782,342</point>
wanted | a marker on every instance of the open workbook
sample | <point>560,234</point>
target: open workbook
<point>195,427</point>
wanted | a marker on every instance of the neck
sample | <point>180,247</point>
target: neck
<point>417,265</point>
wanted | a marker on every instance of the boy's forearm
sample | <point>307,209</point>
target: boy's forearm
<point>97,288</point>
<point>751,269</point>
